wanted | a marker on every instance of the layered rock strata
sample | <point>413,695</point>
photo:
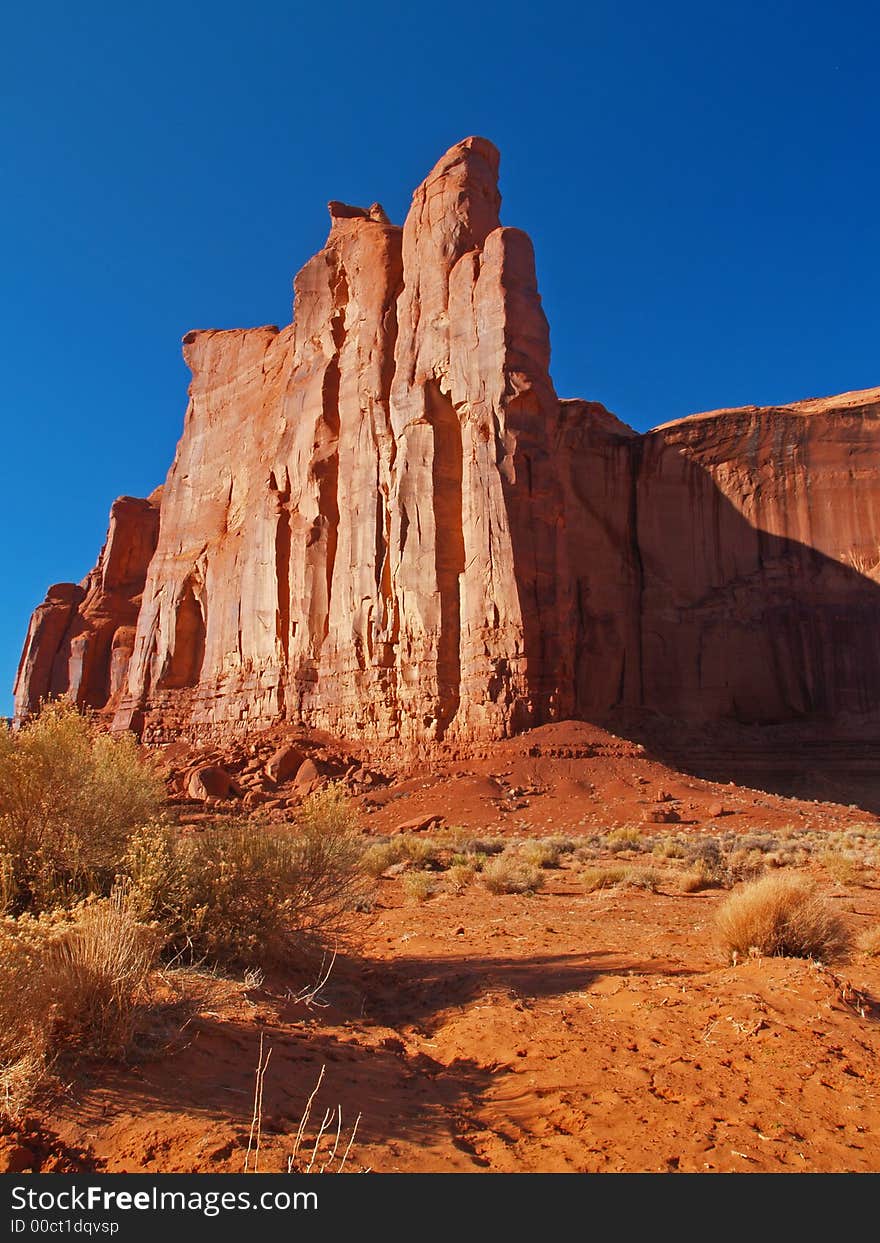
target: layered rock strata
<point>382,522</point>
<point>80,639</point>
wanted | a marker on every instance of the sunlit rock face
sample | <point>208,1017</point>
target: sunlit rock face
<point>382,522</point>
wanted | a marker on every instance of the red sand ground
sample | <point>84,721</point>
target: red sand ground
<point>564,1031</point>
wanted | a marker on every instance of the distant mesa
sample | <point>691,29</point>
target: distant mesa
<point>382,522</point>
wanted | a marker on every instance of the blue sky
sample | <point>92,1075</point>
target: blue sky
<point>700,181</point>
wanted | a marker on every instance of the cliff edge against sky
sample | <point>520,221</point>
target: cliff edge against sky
<point>381,521</point>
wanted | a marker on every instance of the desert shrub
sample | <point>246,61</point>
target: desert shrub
<point>708,862</point>
<point>669,848</point>
<point>484,846</point>
<point>459,876</point>
<point>710,868</point>
<point>380,856</point>
<point>562,844</point>
<point>620,875</point>
<point>329,812</point>
<point>70,982</point>
<point>419,886</point>
<point>693,879</point>
<point>780,915</point>
<point>24,1016</point>
<point>420,850</point>
<point>759,841</point>
<point>748,865</point>
<point>603,877</point>
<point>624,839</point>
<point>841,867</point>
<point>508,874</point>
<point>100,968</point>
<point>869,943</point>
<point>70,798</point>
<point>644,878</point>
<point>7,883</point>
<point>541,853</point>
<point>244,893</point>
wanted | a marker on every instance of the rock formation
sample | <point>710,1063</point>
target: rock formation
<point>381,521</point>
<point>80,638</point>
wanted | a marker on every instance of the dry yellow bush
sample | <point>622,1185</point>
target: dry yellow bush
<point>380,856</point>
<point>624,839</point>
<point>508,874</point>
<point>780,915</point>
<point>541,853</point>
<point>240,892</point>
<point>603,877</point>
<point>70,798</point>
<point>841,868</point>
<point>70,981</point>
<point>99,970</point>
<point>419,886</point>
<point>459,876</point>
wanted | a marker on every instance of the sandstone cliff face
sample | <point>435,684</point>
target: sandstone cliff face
<point>80,638</point>
<point>759,538</point>
<point>382,522</point>
<point>362,528</point>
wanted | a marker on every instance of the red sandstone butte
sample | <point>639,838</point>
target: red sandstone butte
<point>80,638</point>
<point>381,521</point>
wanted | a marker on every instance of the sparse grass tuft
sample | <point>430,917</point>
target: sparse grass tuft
<point>540,853</point>
<point>624,839</point>
<point>781,915</point>
<point>603,877</point>
<point>70,982</point>
<point>509,874</point>
<point>419,886</point>
<point>459,876</point>
<point>841,868</point>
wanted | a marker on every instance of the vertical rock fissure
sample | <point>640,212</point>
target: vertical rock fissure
<point>637,457</point>
<point>325,467</point>
<point>327,474</point>
<point>282,578</point>
<point>387,621</point>
<point>188,653</point>
<point>448,547</point>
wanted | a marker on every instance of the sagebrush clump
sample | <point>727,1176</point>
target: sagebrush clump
<point>506,873</point>
<point>71,981</point>
<point>781,915</point>
<point>70,798</point>
<point>95,889</point>
<point>242,893</point>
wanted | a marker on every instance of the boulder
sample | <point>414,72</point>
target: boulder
<point>663,814</point>
<point>307,776</point>
<point>421,824</point>
<point>210,782</point>
<point>284,763</point>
